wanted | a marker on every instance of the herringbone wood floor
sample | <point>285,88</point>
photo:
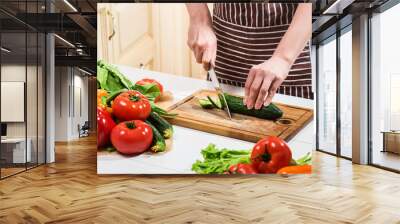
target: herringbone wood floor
<point>70,191</point>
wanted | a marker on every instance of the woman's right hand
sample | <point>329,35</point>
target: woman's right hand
<point>203,42</point>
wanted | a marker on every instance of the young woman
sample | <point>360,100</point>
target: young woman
<point>263,47</point>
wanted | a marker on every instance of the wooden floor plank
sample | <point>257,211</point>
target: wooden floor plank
<point>70,191</point>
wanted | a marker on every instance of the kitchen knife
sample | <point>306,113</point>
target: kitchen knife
<point>219,90</point>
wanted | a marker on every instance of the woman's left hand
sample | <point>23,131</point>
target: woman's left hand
<point>264,80</point>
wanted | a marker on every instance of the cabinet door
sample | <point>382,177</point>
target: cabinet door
<point>132,41</point>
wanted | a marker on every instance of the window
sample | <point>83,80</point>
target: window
<point>327,96</point>
<point>346,92</point>
<point>385,89</point>
<point>22,77</point>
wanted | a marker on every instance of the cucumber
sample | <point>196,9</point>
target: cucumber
<point>158,144</point>
<point>221,100</point>
<point>161,124</point>
<point>236,105</point>
<point>215,103</point>
<point>206,104</point>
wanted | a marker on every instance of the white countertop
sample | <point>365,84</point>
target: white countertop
<point>187,143</point>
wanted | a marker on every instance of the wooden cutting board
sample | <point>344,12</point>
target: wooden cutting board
<point>192,115</point>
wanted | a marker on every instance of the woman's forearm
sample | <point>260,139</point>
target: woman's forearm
<point>199,13</point>
<point>297,36</point>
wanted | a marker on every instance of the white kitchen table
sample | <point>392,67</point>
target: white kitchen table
<point>187,143</point>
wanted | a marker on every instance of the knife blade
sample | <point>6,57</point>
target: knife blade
<point>219,90</point>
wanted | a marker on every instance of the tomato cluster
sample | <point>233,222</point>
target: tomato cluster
<point>131,135</point>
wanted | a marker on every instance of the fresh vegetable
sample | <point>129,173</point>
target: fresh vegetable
<point>303,169</point>
<point>105,124</point>
<point>218,161</point>
<point>236,105</point>
<point>206,104</point>
<point>270,154</point>
<point>221,100</point>
<point>110,78</point>
<point>113,95</point>
<point>132,137</point>
<point>161,112</point>
<point>216,103</point>
<point>158,144</point>
<point>101,96</point>
<point>304,160</point>
<point>145,82</point>
<point>131,105</point>
<point>242,169</point>
<point>161,124</point>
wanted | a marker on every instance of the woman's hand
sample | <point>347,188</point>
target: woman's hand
<point>264,80</point>
<point>201,38</point>
<point>203,42</point>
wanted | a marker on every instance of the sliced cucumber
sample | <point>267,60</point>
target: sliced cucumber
<point>221,100</point>
<point>206,104</point>
<point>215,103</point>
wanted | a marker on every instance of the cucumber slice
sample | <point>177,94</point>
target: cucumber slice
<point>206,104</point>
<point>215,103</point>
<point>221,100</point>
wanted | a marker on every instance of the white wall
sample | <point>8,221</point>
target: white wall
<point>67,114</point>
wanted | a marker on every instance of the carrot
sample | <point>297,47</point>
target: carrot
<point>304,169</point>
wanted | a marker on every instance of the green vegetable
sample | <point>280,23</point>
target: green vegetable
<point>158,144</point>
<point>110,149</point>
<point>113,81</point>
<point>218,161</point>
<point>215,103</point>
<point>236,105</point>
<point>151,91</point>
<point>161,124</point>
<point>305,160</point>
<point>221,100</point>
<point>110,78</point>
<point>206,104</point>
<point>160,111</point>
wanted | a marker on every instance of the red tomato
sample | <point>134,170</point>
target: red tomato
<point>242,168</point>
<point>270,154</point>
<point>104,126</point>
<point>131,105</point>
<point>151,81</point>
<point>132,137</point>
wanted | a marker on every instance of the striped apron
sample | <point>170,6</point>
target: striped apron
<point>247,35</point>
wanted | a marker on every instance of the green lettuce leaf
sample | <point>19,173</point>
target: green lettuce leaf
<point>218,161</point>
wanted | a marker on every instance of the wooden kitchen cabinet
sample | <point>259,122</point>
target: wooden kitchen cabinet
<point>125,34</point>
<point>152,36</point>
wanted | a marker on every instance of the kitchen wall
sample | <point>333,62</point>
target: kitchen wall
<point>158,42</point>
<point>71,102</point>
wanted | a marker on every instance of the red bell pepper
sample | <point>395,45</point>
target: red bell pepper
<point>270,154</point>
<point>105,124</point>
